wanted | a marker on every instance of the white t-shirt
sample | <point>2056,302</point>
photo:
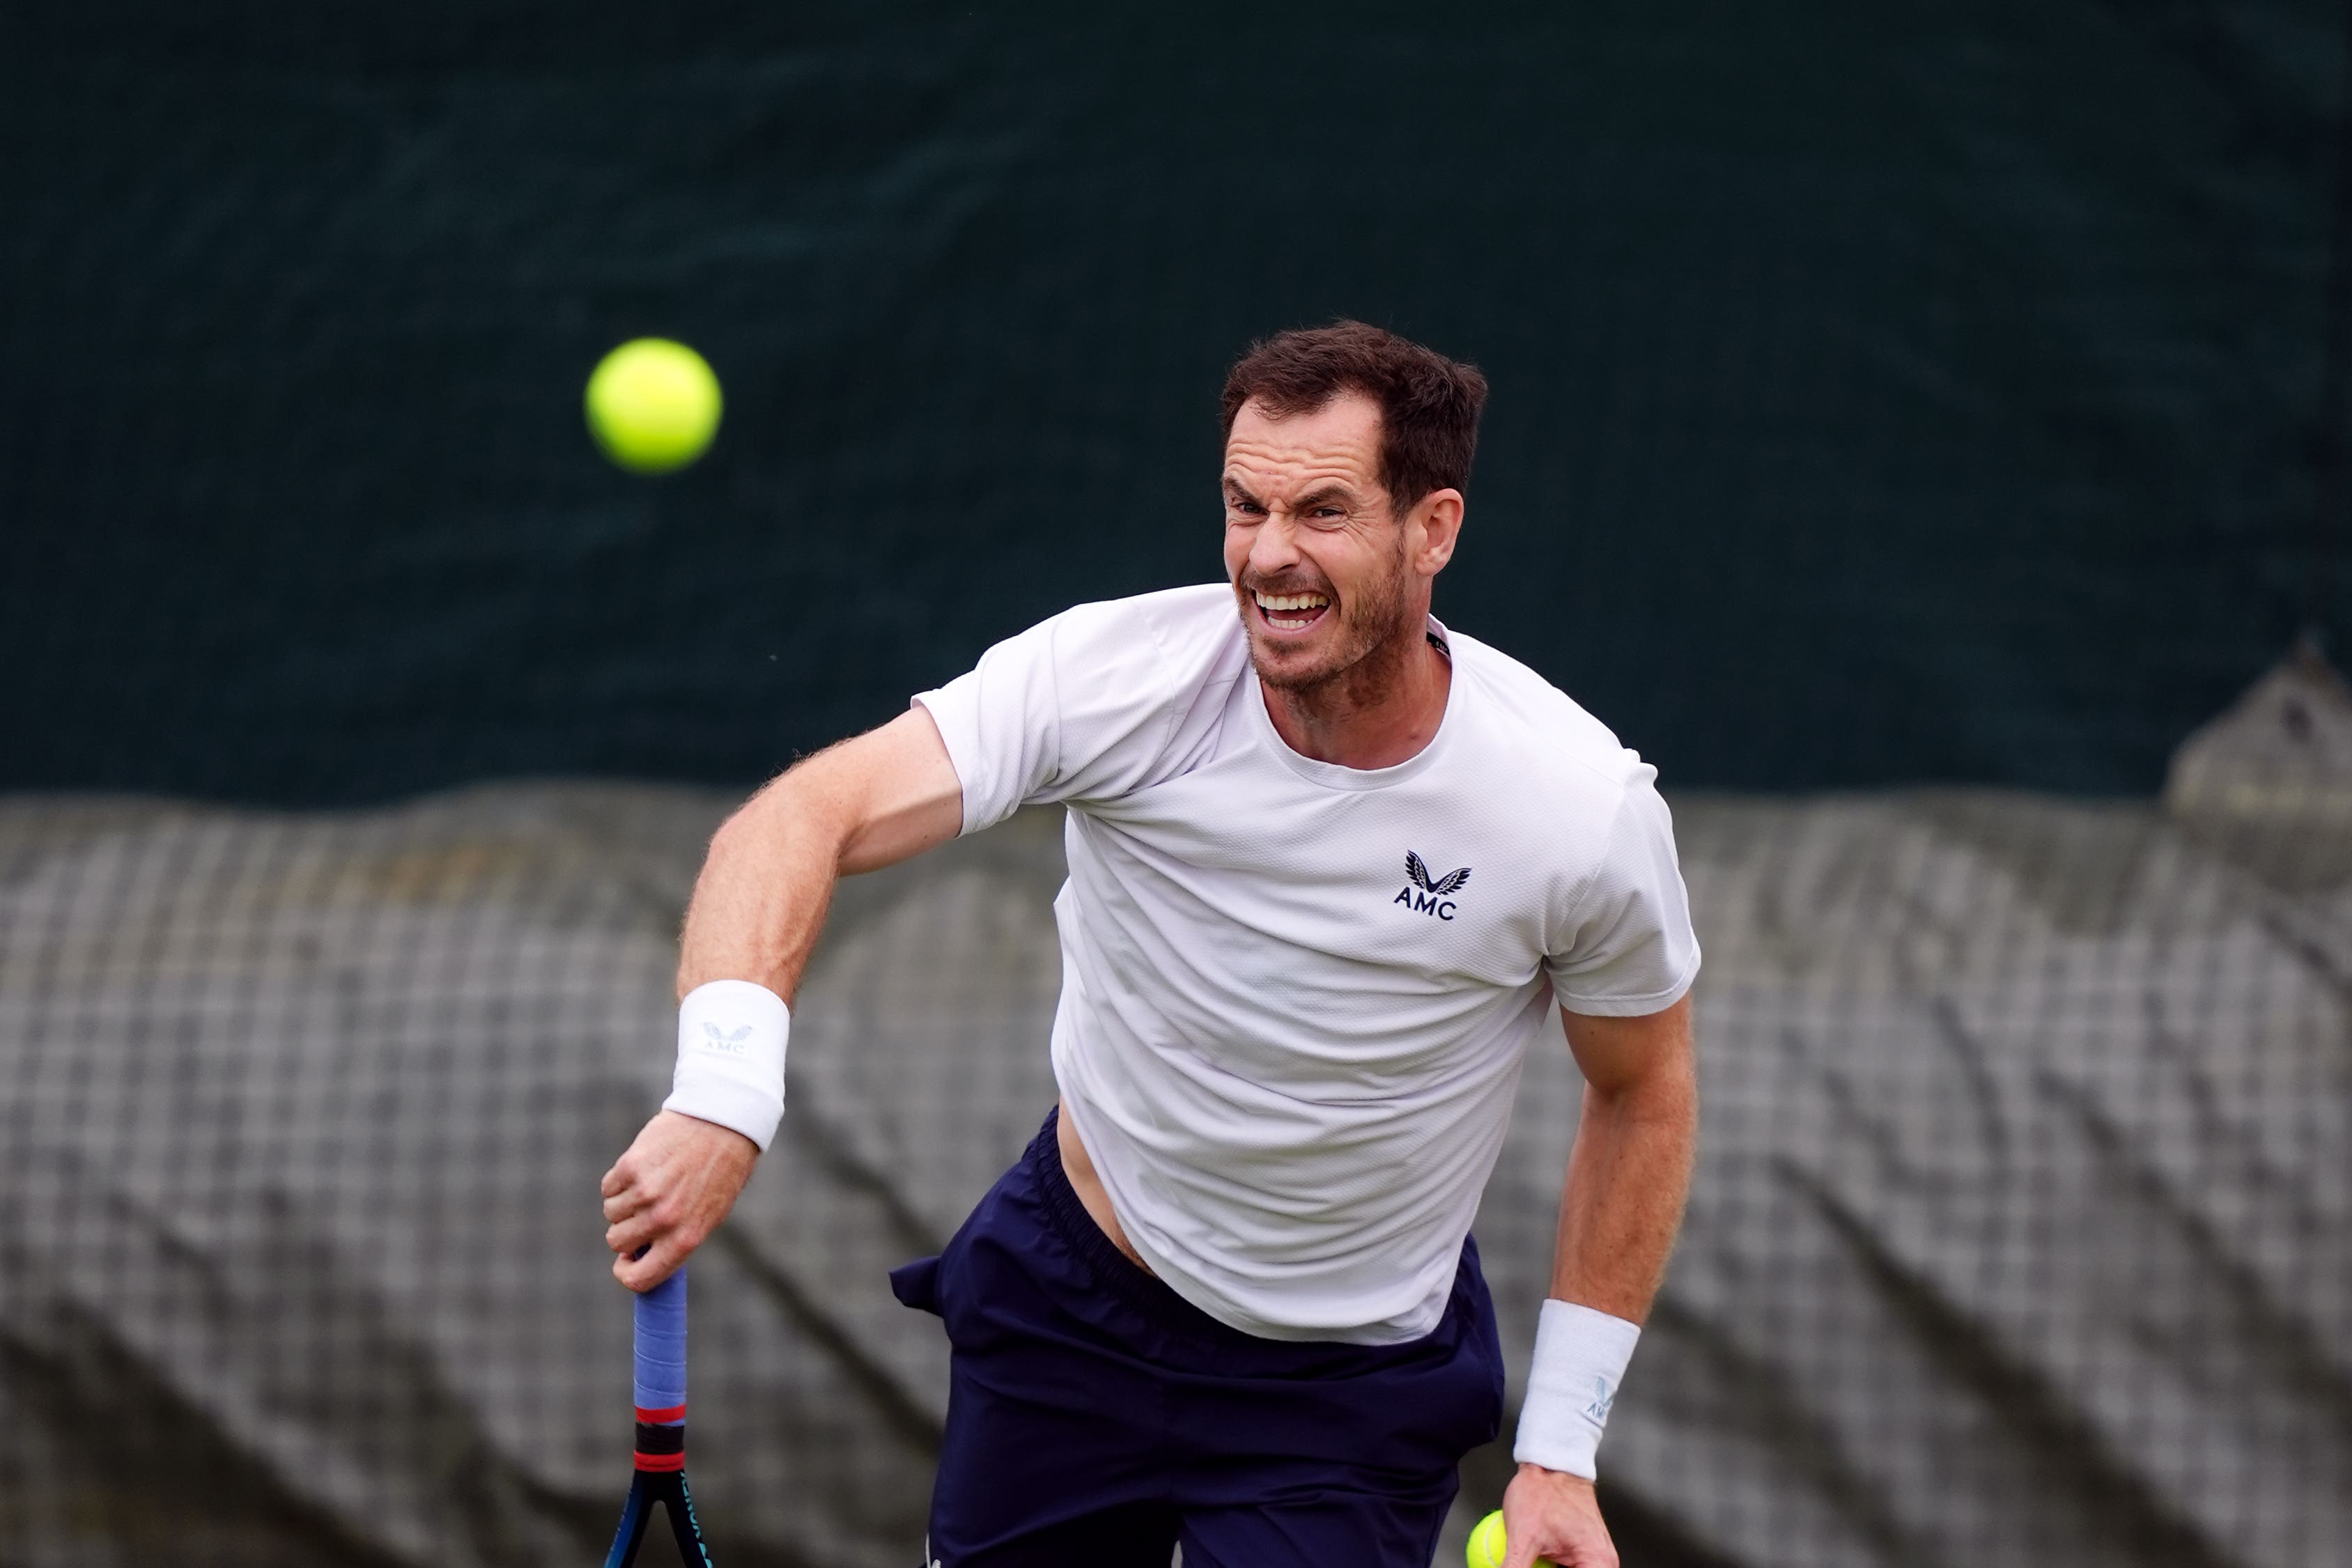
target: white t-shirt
<point>1295,996</point>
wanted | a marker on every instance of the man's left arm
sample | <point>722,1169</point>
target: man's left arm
<point>1618,1214</point>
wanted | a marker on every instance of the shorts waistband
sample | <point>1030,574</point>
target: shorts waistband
<point>1117,1271</point>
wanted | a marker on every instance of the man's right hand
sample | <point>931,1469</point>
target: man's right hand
<point>671,1189</point>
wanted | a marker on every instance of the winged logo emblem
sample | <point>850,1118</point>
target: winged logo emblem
<point>1452,882</point>
<point>725,1044</point>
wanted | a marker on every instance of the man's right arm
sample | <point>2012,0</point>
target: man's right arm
<point>866,803</point>
<point>757,909</point>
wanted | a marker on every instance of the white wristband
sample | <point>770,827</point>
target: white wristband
<point>731,1058</point>
<point>1580,1357</point>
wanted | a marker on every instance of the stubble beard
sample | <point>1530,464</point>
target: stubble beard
<point>1373,643</point>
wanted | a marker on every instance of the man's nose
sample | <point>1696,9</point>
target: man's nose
<point>1275,547</point>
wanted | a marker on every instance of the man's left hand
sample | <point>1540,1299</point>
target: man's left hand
<point>1553,1515</point>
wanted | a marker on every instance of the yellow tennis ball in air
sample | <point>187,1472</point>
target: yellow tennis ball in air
<point>653,405</point>
<point>1487,1544</point>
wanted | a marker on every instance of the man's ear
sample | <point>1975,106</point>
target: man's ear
<point>1435,525</point>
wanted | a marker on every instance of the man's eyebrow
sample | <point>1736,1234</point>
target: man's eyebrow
<point>1238,490</point>
<point>1322,493</point>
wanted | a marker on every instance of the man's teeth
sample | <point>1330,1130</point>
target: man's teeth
<point>1302,607</point>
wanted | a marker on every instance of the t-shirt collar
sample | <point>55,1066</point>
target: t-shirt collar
<point>1338,776</point>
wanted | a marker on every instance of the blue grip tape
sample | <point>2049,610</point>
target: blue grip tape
<point>661,1345</point>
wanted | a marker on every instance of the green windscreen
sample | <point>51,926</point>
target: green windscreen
<point>1879,395</point>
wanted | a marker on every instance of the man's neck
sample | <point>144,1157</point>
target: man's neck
<point>1380,711</point>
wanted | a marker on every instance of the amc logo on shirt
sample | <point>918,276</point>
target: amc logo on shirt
<point>1431,897</point>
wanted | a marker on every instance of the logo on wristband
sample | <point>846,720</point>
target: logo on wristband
<point>720,1044</point>
<point>1603,1396</point>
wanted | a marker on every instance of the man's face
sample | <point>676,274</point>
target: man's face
<point>1321,565</point>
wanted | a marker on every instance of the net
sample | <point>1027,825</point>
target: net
<point>2020,1232</point>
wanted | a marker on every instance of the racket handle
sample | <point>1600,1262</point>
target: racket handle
<point>661,1348</point>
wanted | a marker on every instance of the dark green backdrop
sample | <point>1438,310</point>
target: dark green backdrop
<point>1881,394</point>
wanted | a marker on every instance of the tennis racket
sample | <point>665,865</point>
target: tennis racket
<point>661,1431</point>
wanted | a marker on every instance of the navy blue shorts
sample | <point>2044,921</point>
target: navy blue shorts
<point>1094,1417</point>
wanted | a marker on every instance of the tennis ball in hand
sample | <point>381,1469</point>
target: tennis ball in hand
<point>653,405</point>
<point>1487,1545</point>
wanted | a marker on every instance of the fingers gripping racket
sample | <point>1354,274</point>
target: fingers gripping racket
<point>661,1430</point>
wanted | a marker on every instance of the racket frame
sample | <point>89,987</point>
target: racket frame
<point>660,1388</point>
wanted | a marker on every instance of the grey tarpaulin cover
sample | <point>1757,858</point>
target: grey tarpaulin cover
<point>2023,1230</point>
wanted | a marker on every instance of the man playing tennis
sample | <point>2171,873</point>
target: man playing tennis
<point>1330,865</point>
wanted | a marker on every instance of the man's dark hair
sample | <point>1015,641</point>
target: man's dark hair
<point>1429,404</point>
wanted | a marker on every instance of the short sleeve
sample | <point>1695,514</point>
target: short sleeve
<point>1076,705</point>
<point>1628,947</point>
